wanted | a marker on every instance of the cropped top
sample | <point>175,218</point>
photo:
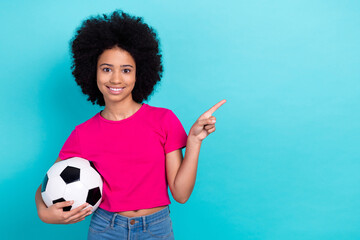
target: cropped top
<point>130,155</point>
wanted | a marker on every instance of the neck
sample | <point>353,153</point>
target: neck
<point>121,111</point>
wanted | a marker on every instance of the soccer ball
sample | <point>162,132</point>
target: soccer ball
<point>72,179</point>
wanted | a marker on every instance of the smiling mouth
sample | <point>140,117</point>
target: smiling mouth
<point>115,90</point>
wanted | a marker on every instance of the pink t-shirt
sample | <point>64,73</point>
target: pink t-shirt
<point>130,155</point>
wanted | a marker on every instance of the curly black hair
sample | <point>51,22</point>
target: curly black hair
<point>96,34</point>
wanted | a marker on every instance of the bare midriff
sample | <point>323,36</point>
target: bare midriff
<point>141,212</point>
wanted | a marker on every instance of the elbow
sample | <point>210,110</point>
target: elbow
<point>180,196</point>
<point>182,200</point>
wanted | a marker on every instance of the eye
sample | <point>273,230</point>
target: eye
<point>106,69</point>
<point>126,70</point>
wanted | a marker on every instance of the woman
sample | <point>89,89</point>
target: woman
<point>135,147</point>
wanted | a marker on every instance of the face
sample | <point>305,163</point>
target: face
<point>116,75</point>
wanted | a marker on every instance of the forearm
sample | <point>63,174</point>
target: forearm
<point>38,200</point>
<point>185,178</point>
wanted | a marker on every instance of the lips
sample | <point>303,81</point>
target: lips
<point>115,90</point>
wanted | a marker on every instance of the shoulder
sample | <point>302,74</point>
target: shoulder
<point>163,115</point>
<point>160,115</point>
<point>88,123</point>
<point>159,111</point>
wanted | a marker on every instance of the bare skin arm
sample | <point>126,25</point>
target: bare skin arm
<point>181,172</point>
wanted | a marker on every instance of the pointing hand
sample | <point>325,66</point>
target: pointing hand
<point>205,124</point>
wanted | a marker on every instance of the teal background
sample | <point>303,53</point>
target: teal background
<point>284,161</point>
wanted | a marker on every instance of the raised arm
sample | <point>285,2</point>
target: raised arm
<point>181,173</point>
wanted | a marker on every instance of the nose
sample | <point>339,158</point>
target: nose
<point>116,78</point>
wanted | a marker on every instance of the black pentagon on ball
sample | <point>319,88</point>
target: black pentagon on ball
<point>44,183</point>
<point>66,209</point>
<point>93,196</point>
<point>70,174</point>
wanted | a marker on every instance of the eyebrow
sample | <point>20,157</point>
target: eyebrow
<point>126,65</point>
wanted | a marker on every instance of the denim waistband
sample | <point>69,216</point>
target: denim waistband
<point>133,222</point>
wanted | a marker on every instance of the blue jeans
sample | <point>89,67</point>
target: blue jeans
<point>110,225</point>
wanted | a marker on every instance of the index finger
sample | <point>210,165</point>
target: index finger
<point>215,107</point>
<point>77,210</point>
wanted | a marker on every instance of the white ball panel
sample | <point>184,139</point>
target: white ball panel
<point>90,178</point>
<point>55,187</point>
<point>46,198</point>
<point>57,168</point>
<point>76,191</point>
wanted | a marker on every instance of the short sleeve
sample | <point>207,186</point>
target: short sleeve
<point>176,136</point>
<point>71,147</point>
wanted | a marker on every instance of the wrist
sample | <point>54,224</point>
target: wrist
<point>193,139</point>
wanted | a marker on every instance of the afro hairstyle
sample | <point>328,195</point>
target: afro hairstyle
<point>118,29</point>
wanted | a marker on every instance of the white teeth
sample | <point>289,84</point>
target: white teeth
<point>116,89</point>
